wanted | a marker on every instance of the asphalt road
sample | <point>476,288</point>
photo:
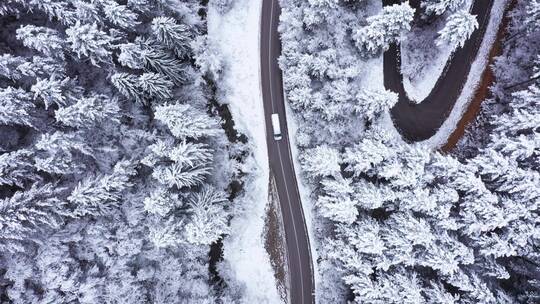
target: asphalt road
<point>281,161</point>
<point>417,122</point>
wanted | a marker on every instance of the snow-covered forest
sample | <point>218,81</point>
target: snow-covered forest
<point>115,170</point>
<point>133,167</point>
<point>400,222</point>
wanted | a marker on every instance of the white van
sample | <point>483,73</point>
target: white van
<point>276,127</point>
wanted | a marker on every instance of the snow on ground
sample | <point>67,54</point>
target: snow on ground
<point>236,36</point>
<point>422,66</point>
<point>374,79</point>
<point>373,74</point>
<point>418,88</point>
<point>473,79</point>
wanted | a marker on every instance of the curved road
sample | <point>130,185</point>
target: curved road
<point>281,161</point>
<point>417,122</point>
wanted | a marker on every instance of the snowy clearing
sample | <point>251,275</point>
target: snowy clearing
<point>236,35</point>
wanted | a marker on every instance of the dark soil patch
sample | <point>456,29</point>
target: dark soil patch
<point>216,256</point>
<point>274,241</point>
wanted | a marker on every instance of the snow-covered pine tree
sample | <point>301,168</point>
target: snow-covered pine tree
<point>439,7</point>
<point>162,201</point>
<point>458,29</point>
<point>184,121</point>
<point>8,66</point>
<point>321,161</point>
<point>17,107</point>
<point>42,39</point>
<point>88,41</point>
<point>62,153</point>
<point>155,85</point>
<point>128,85</point>
<point>372,104</point>
<point>120,15</point>
<point>16,169</point>
<point>89,112</point>
<point>55,91</point>
<point>152,57</point>
<point>208,217</point>
<point>29,212</point>
<point>97,196</point>
<point>172,35</point>
<point>42,67</point>
<point>337,204</point>
<point>383,29</point>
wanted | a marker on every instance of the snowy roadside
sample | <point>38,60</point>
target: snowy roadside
<point>419,87</point>
<point>236,36</point>
<point>275,242</point>
<point>305,191</point>
<point>473,79</point>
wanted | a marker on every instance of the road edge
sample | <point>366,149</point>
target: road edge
<point>478,67</point>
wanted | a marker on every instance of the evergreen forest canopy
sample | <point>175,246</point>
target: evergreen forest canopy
<point>114,167</point>
<point>396,222</point>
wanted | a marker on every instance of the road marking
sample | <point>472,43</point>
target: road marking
<point>270,52</point>
<point>294,226</point>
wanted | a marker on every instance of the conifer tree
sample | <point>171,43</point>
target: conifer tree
<point>89,41</point>
<point>208,218</point>
<point>8,66</point>
<point>172,35</point>
<point>17,107</point>
<point>439,7</point>
<point>61,153</point>
<point>89,112</point>
<point>16,168</point>
<point>42,39</point>
<point>458,29</point>
<point>29,212</point>
<point>97,196</point>
<point>384,28</point>
<point>186,122</point>
<point>120,15</point>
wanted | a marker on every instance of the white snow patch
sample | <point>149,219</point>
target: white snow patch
<point>236,36</point>
<point>373,74</point>
<point>473,79</point>
<point>413,60</point>
<point>374,80</point>
<point>418,89</point>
